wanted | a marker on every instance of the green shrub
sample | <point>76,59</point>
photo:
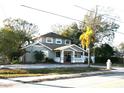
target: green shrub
<point>15,62</point>
<point>49,60</point>
<point>39,56</point>
<point>103,60</point>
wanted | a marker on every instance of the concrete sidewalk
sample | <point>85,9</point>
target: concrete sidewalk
<point>40,66</point>
<point>55,77</point>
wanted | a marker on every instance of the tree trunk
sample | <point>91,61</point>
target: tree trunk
<point>7,60</point>
<point>89,56</point>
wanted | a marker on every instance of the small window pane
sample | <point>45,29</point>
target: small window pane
<point>57,54</point>
<point>49,40</point>
<point>58,41</point>
<point>67,42</point>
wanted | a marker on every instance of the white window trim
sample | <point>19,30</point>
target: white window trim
<point>49,38</point>
<point>58,40</point>
<point>67,40</point>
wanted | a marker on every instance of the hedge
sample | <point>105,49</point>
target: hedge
<point>104,60</point>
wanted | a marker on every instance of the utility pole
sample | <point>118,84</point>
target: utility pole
<point>94,28</point>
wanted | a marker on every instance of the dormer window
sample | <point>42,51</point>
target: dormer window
<point>67,42</point>
<point>49,40</point>
<point>58,41</point>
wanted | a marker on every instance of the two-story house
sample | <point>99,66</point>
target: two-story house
<point>55,47</point>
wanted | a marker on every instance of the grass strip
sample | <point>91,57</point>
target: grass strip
<point>12,73</point>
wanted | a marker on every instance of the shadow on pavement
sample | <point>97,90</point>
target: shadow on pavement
<point>53,85</point>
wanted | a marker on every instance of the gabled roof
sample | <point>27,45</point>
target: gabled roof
<point>53,46</point>
<point>54,35</point>
<point>39,44</point>
<point>58,47</point>
<point>73,47</point>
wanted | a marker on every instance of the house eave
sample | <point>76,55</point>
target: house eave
<point>38,45</point>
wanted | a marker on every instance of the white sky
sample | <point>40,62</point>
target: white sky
<point>12,8</point>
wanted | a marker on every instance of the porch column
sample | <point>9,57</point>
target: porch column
<point>83,52</point>
<point>62,56</point>
<point>83,56</point>
<point>73,57</point>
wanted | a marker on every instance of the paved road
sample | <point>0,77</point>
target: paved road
<point>115,80</point>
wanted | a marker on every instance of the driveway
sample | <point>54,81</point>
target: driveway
<point>40,66</point>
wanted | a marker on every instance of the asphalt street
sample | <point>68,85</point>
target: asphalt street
<point>115,80</point>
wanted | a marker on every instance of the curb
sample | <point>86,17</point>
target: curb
<point>64,76</point>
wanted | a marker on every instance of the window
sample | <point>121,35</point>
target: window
<point>58,54</point>
<point>58,41</point>
<point>49,40</point>
<point>67,42</point>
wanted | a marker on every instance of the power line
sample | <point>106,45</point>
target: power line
<point>59,14</point>
<point>95,12</point>
<point>84,8</point>
<point>103,14</point>
<point>51,13</point>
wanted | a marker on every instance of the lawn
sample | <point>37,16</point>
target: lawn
<point>11,73</point>
<point>118,65</point>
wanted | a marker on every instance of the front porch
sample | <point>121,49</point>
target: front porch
<point>69,54</point>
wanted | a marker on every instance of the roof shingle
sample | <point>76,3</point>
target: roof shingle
<point>54,35</point>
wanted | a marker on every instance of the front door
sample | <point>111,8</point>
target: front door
<point>67,57</point>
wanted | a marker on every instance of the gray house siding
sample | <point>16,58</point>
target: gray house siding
<point>51,54</point>
<point>29,56</point>
<point>43,40</point>
<point>54,40</point>
<point>49,48</point>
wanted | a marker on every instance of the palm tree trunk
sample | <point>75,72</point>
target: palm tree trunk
<point>89,56</point>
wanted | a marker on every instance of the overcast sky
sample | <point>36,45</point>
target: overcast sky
<point>12,8</point>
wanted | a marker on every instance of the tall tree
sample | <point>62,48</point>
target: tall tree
<point>13,36</point>
<point>103,27</point>
<point>71,31</point>
<point>103,30</point>
<point>87,38</point>
<point>105,50</point>
<point>25,29</point>
<point>9,43</point>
